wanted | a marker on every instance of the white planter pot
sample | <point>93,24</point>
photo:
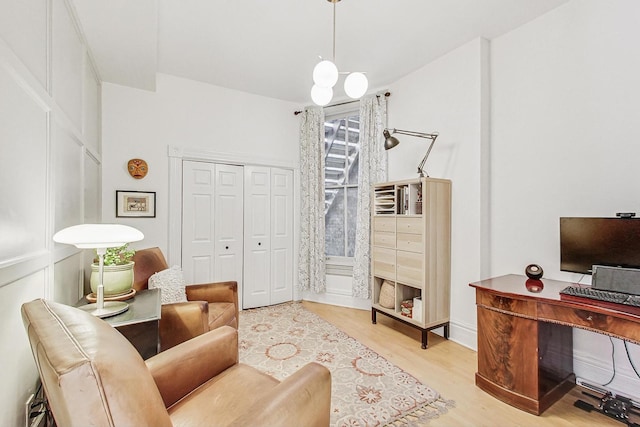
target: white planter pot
<point>118,279</point>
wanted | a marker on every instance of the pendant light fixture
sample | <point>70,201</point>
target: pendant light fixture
<point>325,76</point>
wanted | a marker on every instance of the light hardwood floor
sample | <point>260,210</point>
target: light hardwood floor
<point>449,368</point>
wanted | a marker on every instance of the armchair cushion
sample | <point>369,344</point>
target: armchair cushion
<point>171,284</point>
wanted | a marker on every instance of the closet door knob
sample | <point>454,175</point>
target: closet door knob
<point>259,243</point>
<point>226,247</point>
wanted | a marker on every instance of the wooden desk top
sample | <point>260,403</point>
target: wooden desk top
<point>521,286</point>
<point>540,300</point>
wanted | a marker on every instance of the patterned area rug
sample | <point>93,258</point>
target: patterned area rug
<point>367,390</point>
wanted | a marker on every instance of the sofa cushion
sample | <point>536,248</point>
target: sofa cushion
<point>171,285</point>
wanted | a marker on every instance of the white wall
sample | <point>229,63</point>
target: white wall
<point>191,116</point>
<point>446,96</point>
<point>565,135</point>
<point>540,123</point>
<point>49,175</point>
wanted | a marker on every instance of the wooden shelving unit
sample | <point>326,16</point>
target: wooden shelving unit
<point>411,251</point>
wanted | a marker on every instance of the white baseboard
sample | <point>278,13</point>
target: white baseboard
<point>338,299</point>
<point>465,335</point>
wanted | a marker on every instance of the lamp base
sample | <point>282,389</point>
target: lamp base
<point>111,308</point>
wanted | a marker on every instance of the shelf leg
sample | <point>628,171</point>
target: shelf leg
<point>424,338</point>
<point>446,330</point>
<point>373,316</point>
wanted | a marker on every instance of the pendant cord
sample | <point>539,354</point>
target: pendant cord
<point>334,32</point>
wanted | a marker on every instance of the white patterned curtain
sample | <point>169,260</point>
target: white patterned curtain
<point>372,169</point>
<point>311,263</point>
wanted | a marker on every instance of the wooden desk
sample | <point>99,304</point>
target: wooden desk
<point>140,323</point>
<point>525,341</point>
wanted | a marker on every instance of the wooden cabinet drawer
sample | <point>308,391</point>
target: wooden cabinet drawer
<point>383,238</point>
<point>384,263</point>
<point>510,305</point>
<point>409,242</point>
<point>410,225</point>
<point>381,223</point>
<point>588,319</point>
<point>409,268</point>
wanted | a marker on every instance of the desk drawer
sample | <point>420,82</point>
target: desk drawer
<point>510,305</point>
<point>410,225</point>
<point>588,319</point>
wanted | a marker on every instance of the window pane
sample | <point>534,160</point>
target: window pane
<point>353,171</point>
<point>335,160</point>
<point>353,148</point>
<point>342,149</point>
<point>334,225</point>
<point>352,218</point>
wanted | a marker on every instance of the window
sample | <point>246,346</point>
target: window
<point>342,147</point>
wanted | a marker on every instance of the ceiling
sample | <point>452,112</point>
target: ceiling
<point>269,48</point>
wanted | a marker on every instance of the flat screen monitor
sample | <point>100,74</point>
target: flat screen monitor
<point>585,242</point>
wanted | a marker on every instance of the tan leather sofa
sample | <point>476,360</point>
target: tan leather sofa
<point>209,306</point>
<point>93,376</point>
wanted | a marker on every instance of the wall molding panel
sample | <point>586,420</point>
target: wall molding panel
<point>51,172</point>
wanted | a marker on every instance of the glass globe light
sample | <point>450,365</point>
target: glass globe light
<point>321,95</point>
<point>356,85</point>
<point>325,74</point>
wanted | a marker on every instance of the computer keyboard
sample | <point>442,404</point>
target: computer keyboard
<point>601,295</point>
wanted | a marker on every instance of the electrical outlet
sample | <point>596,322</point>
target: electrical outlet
<point>27,410</point>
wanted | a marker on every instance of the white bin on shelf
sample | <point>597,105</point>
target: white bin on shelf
<point>417,309</point>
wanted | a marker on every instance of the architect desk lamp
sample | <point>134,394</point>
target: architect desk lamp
<point>391,141</point>
<point>100,237</point>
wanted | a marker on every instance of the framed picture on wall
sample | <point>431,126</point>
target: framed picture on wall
<point>138,204</point>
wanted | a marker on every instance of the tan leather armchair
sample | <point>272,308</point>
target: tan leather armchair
<point>93,376</point>
<point>209,305</point>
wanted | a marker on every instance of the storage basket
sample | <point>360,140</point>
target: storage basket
<point>387,295</point>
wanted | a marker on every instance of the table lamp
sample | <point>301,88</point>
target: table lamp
<point>391,141</point>
<point>100,237</point>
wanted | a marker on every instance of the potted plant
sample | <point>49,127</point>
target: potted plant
<point>118,271</point>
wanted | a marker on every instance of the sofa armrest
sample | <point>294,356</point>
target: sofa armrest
<point>302,399</point>
<point>185,367</point>
<point>214,292</point>
<point>182,321</point>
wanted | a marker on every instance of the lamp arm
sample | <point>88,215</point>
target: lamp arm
<point>432,136</point>
<point>424,159</point>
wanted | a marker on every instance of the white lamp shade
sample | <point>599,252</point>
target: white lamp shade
<point>98,235</point>
<point>325,74</point>
<point>321,95</point>
<point>356,85</point>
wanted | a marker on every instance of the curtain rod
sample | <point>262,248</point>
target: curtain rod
<point>386,94</point>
